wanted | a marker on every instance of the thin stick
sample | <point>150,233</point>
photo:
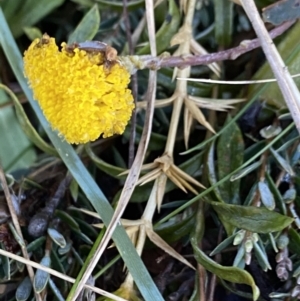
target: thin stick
<point>58,274</point>
<point>233,82</point>
<point>286,84</point>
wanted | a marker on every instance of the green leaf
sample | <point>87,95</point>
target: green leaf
<point>27,127</point>
<point>36,244</point>
<point>57,237</point>
<point>41,277</point>
<point>230,153</point>
<point>87,28</point>
<point>10,7</point>
<point>56,291</point>
<point>74,189</point>
<point>157,141</point>
<point>266,195</point>
<point>24,289</point>
<point>5,265</point>
<point>224,244</point>
<point>33,33</point>
<point>231,274</point>
<point>282,162</point>
<point>261,257</point>
<point>16,150</point>
<point>281,11</point>
<point>29,13</point>
<point>223,22</point>
<point>276,193</point>
<point>254,219</point>
<point>65,250</point>
<point>115,5</point>
<point>175,228</point>
<point>245,171</point>
<point>67,218</point>
<point>110,169</point>
<point>68,155</point>
<point>166,31</point>
<point>212,177</point>
<point>294,244</point>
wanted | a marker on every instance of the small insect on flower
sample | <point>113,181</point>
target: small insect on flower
<point>82,91</point>
<point>109,53</point>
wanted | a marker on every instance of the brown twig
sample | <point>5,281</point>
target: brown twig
<point>151,62</point>
<point>229,54</point>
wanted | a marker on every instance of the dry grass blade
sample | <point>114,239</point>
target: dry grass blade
<point>177,181</point>
<point>160,103</point>
<point>186,176</point>
<point>285,82</point>
<point>150,176</point>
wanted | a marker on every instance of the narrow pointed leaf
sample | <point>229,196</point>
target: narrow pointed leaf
<point>261,257</point>
<point>166,31</point>
<point>5,265</point>
<point>224,244</point>
<point>30,12</point>
<point>56,291</point>
<point>245,171</point>
<point>230,153</point>
<point>87,28</point>
<point>223,21</point>
<point>294,244</point>
<point>110,169</point>
<point>282,162</point>
<point>68,219</point>
<point>281,11</point>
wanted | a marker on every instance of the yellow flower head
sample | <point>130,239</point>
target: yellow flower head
<point>80,96</point>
